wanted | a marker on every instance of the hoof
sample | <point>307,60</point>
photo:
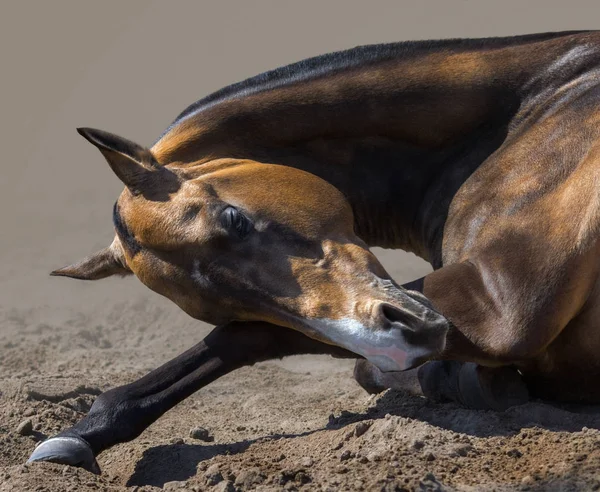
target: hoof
<point>439,380</point>
<point>474,386</point>
<point>373,381</point>
<point>487,388</point>
<point>66,450</point>
<point>369,377</point>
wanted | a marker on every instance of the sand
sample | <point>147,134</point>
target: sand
<point>300,423</point>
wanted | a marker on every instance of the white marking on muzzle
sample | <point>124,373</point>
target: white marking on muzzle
<point>381,347</point>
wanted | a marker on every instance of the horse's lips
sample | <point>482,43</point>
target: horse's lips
<point>377,346</point>
<point>387,359</point>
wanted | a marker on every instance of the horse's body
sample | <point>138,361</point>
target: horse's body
<point>482,157</point>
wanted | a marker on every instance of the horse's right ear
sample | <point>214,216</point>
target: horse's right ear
<point>102,264</point>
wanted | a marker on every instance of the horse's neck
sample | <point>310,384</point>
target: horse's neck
<point>427,101</point>
<point>400,193</point>
<point>424,109</point>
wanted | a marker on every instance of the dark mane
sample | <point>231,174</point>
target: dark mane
<point>317,66</point>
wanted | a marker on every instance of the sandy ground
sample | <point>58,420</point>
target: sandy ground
<point>300,423</point>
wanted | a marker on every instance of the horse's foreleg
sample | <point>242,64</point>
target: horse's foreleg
<point>121,414</point>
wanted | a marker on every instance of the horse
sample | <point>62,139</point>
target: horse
<point>255,211</point>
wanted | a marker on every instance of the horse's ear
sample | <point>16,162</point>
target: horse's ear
<point>134,165</point>
<point>104,263</point>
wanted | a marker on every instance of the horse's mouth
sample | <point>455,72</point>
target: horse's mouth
<point>395,348</point>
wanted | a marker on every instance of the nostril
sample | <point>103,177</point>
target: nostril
<point>396,315</point>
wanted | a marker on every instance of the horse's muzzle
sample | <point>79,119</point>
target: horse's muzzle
<point>394,345</point>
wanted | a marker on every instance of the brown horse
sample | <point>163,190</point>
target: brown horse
<point>256,207</point>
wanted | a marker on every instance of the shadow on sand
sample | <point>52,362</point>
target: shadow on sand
<point>177,462</point>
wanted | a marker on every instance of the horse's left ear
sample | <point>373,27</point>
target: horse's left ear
<point>134,165</point>
<point>104,263</point>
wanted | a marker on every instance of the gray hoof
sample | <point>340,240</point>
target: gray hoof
<point>439,380</point>
<point>497,388</point>
<point>369,377</point>
<point>474,386</point>
<point>66,450</point>
<point>374,381</point>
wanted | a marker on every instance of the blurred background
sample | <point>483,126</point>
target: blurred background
<point>130,68</point>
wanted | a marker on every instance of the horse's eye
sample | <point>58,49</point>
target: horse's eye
<point>234,220</point>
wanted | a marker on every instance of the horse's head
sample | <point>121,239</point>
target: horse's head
<point>241,240</point>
